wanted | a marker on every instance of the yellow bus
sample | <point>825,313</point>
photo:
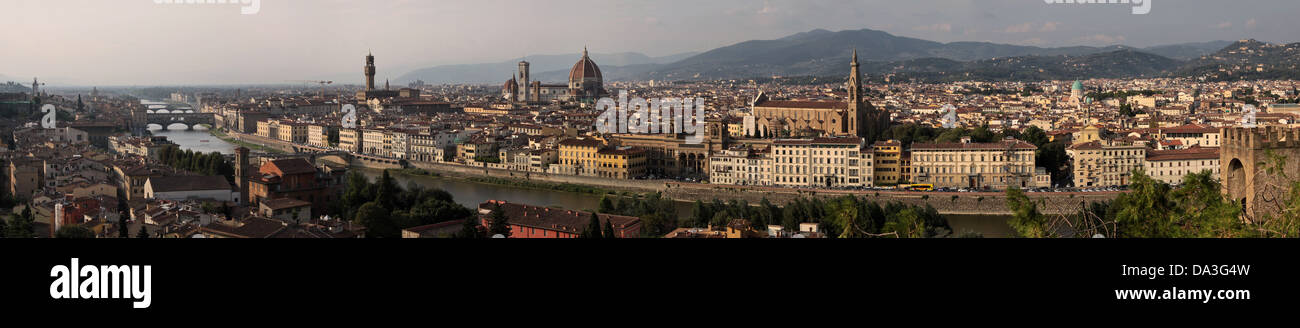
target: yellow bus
<point>921,187</point>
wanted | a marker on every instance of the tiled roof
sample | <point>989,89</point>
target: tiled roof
<point>293,166</point>
<point>188,183</point>
<point>1193,153</point>
<point>253,227</point>
<point>805,104</point>
<point>581,143</point>
<point>555,219</point>
<point>283,203</point>
<point>1001,145</point>
<point>1192,128</point>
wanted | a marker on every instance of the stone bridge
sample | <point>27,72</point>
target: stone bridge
<point>189,118</point>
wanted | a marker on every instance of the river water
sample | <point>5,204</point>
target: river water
<point>471,194</point>
<point>198,140</point>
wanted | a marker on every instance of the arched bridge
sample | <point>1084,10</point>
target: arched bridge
<point>189,118</point>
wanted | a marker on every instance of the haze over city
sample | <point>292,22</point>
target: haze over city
<point>138,42</point>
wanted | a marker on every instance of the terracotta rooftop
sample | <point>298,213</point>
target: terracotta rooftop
<point>188,183</point>
<point>283,203</point>
<point>806,104</point>
<point>555,219</point>
<point>1001,145</point>
<point>1193,153</point>
<point>292,166</point>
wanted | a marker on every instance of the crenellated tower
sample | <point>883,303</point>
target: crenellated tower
<point>370,71</point>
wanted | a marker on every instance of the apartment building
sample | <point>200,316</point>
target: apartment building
<point>740,167</point>
<point>1105,163</point>
<point>966,164</point>
<point>1170,166</point>
<point>888,162</point>
<point>821,162</point>
<point>351,140</point>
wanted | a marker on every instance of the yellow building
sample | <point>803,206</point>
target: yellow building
<point>888,162</point>
<point>621,163</point>
<point>1106,163</point>
<point>351,140</point>
<point>905,167</point>
<point>292,132</point>
<point>578,156</point>
<point>1089,134</point>
<point>268,129</point>
<point>736,128</point>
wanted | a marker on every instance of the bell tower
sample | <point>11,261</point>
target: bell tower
<point>850,116</point>
<point>370,72</point>
<point>525,86</point>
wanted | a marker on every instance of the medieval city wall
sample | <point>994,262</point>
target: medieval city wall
<point>1247,157</point>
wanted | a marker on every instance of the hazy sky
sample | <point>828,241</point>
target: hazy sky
<point>139,42</point>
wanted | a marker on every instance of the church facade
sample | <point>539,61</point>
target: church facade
<point>787,118</point>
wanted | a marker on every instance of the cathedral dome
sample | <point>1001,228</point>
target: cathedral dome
<point>585,69</point>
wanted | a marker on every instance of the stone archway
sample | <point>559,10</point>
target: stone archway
<point>1235,184</point>
<point>1236,179</point>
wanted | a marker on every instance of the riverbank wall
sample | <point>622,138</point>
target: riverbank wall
<point>967,203</point>
<point>960,203</point>
<point>465,171</point>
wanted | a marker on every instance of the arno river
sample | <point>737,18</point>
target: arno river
<point>471,194</point>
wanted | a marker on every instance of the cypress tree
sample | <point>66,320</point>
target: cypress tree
<point>471,229</point>
<point>500,223</point>
<point>122,227</point>
<point>609,230</point>
<point>593,228</point>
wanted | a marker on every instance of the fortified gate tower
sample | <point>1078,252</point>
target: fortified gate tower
<point>1245,164</point>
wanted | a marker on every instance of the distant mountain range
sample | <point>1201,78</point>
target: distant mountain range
<point>1188,51</point>
<point>1126,63</point>
<point>1247,60</point>
<point>542,67</point>
<point>826,53</point>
